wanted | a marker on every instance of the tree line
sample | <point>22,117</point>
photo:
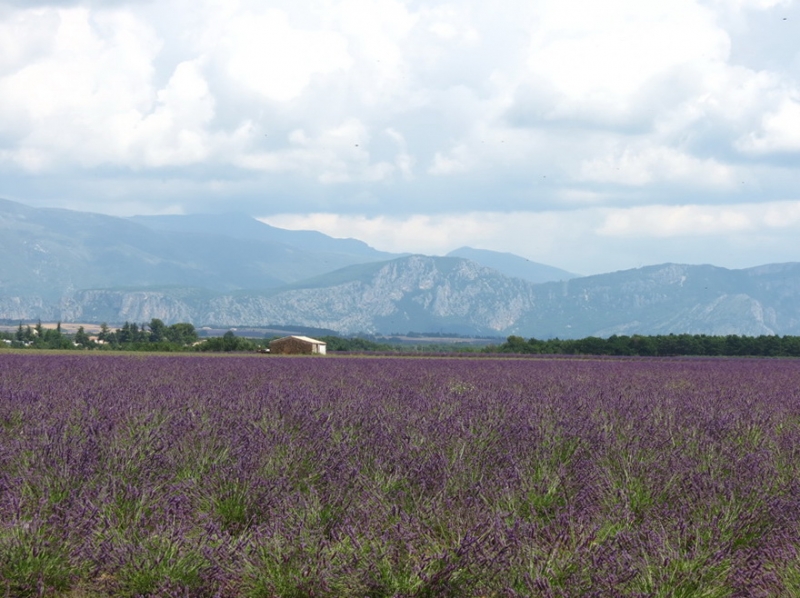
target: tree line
<point>731,345</point>
<point>152,336</point>
<point>157,336</point>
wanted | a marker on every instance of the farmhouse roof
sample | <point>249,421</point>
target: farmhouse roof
<point>307,339</point>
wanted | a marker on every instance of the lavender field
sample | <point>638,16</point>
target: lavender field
<point>290,477</point>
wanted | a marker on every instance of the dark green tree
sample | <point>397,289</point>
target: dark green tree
<point>124,334</point>
<point>515,344</point>
<point>158,331</point>
<point>228,342</point>
<point>82,339</point>
<point>181,333</point>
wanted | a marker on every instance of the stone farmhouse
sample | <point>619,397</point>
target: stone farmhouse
<point>297,345</point>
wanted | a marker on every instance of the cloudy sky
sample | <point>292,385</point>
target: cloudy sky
<point>593,136</point>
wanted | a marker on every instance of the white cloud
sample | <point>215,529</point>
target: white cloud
<point>26,36</point>
<point>582,197</point>
<point>751,4</point>
<point>780,131</point>
<point>444,165</point>
<point>404,161</point>
<point>269,56</point>
<point>450,23</point>
<point>174,132</point>
<point>699,220</point>
<point>726,100</point>
<point>597,57</point>
<point>444,30</point>
<point>336,155</point>
<point>63,107</point>
<point>641,164</point>
<point>376,30</point>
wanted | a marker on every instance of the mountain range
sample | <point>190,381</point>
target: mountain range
<point>233,270</point>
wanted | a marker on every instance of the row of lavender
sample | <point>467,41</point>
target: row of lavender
<point>245,476</point>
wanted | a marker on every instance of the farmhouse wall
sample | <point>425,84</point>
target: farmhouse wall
<point>293,345</point>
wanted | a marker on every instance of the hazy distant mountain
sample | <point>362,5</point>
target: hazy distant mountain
<point>50,252</point>
<point>241,226</point>
<point>235,271</point>
<point>513,265</point>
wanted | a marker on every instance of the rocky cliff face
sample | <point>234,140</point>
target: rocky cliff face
<point>415,293</point>
<point>30,307</point>
<point>671,298</point>
<point>130,306</point>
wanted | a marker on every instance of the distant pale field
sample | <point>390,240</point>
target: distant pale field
<point>155,475</point>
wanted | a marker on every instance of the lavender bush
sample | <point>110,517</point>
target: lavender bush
<point>288,477</point>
